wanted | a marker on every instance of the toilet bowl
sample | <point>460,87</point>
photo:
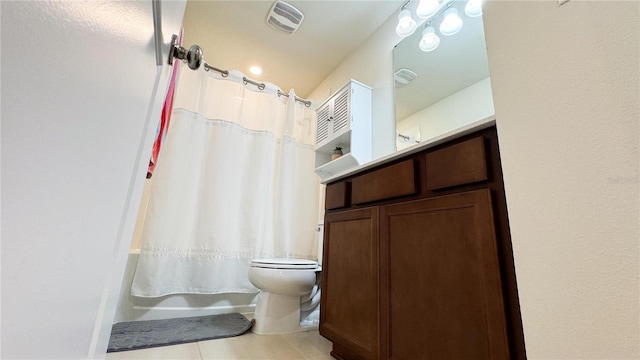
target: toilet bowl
<point>282,284</point>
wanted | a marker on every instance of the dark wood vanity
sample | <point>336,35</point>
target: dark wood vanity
<point>417,259</point>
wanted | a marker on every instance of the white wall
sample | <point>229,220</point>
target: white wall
<point>81,98</point>
<point>470,104</point>
<point>565,88</point>
<point>371,64</point>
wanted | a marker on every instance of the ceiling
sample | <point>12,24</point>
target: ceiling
<point>234,35</point>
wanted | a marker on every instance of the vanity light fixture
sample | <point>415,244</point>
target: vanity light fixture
<point>430,40</point>
<point>431,10</point>
<point>426,8</point>
<point>473,8</point>
<point>406,24</point>
<point>452,23</point>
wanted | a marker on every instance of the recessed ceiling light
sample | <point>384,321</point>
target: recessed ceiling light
<point>255,70</point>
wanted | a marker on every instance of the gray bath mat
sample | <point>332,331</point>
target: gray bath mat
<point>152,333</point>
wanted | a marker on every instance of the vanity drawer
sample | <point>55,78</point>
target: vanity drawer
<point>390,181</point>
<point>337,195</point>
<point>458,164</point>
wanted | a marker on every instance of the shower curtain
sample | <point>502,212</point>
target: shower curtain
<point>234,181</point>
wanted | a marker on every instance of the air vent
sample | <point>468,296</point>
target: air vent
<point>404,77</point>
<point>284,17</point>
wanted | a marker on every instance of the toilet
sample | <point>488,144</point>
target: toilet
<point>284,284</point>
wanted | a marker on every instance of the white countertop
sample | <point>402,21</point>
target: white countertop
<point>459,132</point>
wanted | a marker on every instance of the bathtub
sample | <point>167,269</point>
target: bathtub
<point>133,308</point>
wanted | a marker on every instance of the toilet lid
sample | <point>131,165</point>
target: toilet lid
<point>301,264</point>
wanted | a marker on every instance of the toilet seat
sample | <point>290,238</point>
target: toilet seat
<point>291,264</point>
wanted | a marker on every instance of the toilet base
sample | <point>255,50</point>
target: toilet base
<point>307,326</point>
<point>276,314</point>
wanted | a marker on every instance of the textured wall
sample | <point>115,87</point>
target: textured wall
<point>81,97</point>
<point>371,64</point>
<point>565,88</point>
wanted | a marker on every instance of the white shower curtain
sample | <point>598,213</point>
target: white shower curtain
<point>234,181</point>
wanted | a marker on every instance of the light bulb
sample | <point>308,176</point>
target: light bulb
<point>451,23</point>
<point>473,8</point>
<point>427,8</point>
<point>406,24</point>
<point>430,40</point>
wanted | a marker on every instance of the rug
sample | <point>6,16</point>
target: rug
<point>136,335</point>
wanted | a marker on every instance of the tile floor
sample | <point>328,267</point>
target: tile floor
<point>306,345</point>
<point>301,345</point>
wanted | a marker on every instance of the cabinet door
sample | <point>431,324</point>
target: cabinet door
<point>341,111</point>
<point>322,123</point>
<point>333,116</point>
<point>442,274</point>
<point>349,311</point>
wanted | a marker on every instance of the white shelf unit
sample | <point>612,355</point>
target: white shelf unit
<point>344,120</point>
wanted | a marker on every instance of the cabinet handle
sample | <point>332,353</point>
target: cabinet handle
<point>330,118</point>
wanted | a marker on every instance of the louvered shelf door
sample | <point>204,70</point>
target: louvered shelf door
<point>341,112</point>
<point>322,124</point>
<point>344,120</point>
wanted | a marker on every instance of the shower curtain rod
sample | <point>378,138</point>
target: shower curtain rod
<point>194,57</point>
<point>260,86</point>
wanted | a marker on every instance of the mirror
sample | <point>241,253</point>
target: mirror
<point>452,86</point>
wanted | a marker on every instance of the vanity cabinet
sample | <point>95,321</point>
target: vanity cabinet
<point>344,120</point>
<point>352,314</point>
<point>417,260</point>
<point>442,261</point>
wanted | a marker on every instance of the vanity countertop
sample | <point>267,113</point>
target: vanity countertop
<point>454,134</point>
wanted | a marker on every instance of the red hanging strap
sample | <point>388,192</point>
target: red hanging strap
<point>164,119</point>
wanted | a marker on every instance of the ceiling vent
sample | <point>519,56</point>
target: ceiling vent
<point>284,17</point>
<point>404,76</point>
